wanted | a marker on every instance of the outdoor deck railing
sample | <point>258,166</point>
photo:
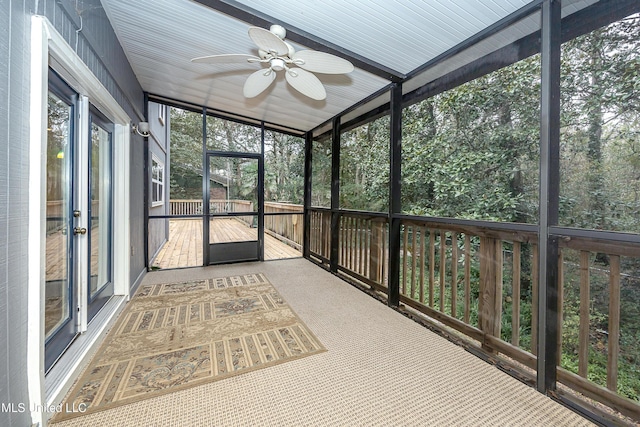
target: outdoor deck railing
<point>287,228</point>
<point>194,207</point>
<point>481,281</point>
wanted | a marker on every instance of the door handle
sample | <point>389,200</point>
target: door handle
<point>79,230</point>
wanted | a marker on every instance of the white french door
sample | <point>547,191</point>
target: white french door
<point>79,218</point>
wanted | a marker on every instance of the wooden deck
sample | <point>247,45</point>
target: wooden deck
<point>184,247</point>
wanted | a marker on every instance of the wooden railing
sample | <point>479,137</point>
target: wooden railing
<point>363,246</point>
<point>593,269</point>
<point>320,234</point>
<point>287,228</point>
<point>194,207</point>
<point>482,281</point>
<point>462,276</point>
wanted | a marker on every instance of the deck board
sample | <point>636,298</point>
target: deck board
<point>184,247</point>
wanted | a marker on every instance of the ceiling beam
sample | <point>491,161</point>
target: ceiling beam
<point>296,35</point>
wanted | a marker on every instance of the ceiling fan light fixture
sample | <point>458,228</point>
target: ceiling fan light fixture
<point>277,64</point>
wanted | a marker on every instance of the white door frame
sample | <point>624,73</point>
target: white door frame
<point>48,48</point>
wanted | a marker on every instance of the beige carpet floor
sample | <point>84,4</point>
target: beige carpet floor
<point>380,369</point>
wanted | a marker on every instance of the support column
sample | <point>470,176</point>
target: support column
<point>549,196</point>
<point>395,205</point>
<point>205,192</point>
<point>145,187</point>
<point>261,196</point>
<point>335,195</point>
<point>308,158</point>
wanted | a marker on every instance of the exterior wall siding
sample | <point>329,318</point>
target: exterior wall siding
<point>86,28</point>
<point>14,203</point>
<point>159,147</point>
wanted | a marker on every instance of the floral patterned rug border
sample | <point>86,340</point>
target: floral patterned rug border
<point>174,336</point>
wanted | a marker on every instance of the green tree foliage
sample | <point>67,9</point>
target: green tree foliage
<point>185,154</point>
<point>364,167</point>
<point>471,152</point>
<point>321,173</point>
<point>600,134</point>
<point>284,168</point>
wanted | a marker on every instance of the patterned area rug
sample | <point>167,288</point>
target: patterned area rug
<point>178,335</point>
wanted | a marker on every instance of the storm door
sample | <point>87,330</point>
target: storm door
<point>233,224</point>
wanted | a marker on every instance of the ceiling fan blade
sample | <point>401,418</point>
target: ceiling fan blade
<point>258,82</point>
<point>306,83</point>
<point>268,41</point>
<point>230,58</point>
<point>321,62</point>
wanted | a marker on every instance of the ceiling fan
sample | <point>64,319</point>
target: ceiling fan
<point>280,55</point>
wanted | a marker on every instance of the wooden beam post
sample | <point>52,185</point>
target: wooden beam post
<point>549,196</point>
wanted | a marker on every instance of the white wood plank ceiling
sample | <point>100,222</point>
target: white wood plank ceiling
<point>161,36</point>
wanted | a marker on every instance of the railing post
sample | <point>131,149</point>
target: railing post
<point>395,205</point>
<point>376,256</point>
<point>549,196</point>
<point>490,302</point>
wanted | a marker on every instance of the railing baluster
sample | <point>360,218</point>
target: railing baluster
<point>327,235</point>
<point>467,278</point>
<point>614,322</point>
<point>350,243</point>
<point>534,300</point>
<point>432,260</point>
<point>454,273</point>
<point>442,267</point>
<point>515,296</point>
<point>499,286</point>
<point>360,257</point>
<point>583,345</point>
<point>405,238</point>
<point>414,260</point>
<point>368,239</point>
<point>560,301</point>
<point>376,260</point>
<point>422,230</point>
<point>354,244</point>
<point>385,250</point>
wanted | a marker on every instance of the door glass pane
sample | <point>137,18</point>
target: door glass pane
<point>58,202</point>
<point>233,184</point>
<point>100,267</point>
<point>225,135</point>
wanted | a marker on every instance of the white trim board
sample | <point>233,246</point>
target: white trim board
<point>48,48</point>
